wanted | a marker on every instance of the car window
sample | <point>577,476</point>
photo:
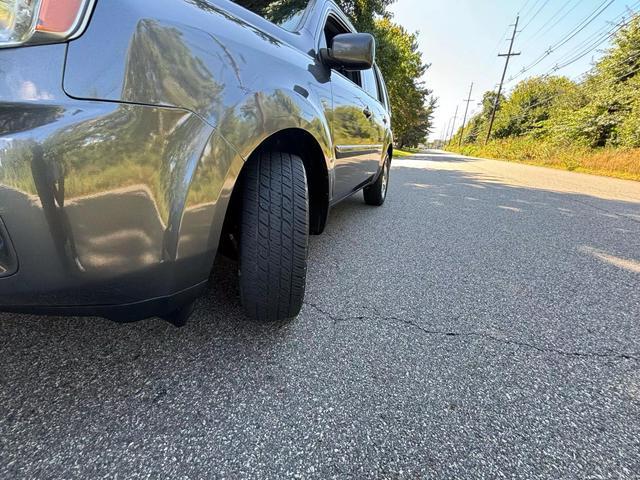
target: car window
<point>286,14</point>
<point>382,89</point>
<point>370,84</point>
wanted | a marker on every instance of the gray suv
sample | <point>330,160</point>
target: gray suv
<point>138,138</point>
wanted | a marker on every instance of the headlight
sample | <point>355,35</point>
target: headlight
<point>40,21</point>
<point>17,20</point>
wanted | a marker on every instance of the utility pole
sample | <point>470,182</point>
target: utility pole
<point>504,74</point>
<point>466,110</point>
<point>453,125</point>
<point>446,134</point>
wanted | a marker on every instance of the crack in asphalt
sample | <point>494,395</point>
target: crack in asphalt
<point>483,335</point>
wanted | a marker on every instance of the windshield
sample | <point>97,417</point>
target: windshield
<point>284,13</point>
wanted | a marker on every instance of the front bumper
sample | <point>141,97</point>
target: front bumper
<point>104,204</point>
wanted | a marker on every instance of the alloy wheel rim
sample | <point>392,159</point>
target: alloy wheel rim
<point>385,178</point>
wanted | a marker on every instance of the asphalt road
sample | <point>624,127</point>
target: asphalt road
<point>484,323</point>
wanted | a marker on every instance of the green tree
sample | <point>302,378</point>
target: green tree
<point>611,114</point>
<point>416,133</point>
<point>401,64</point>
<point>532,103</point>
<point>488,101</point>
<point>361,12</point>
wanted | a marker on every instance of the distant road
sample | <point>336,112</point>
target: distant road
<point>484,322</point>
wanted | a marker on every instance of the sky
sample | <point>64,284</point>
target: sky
<point>462,38</point>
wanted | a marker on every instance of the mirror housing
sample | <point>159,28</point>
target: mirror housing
<point>351,51</point>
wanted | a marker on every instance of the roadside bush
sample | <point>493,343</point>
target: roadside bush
<point>614,162</point>
<point>592,125</point>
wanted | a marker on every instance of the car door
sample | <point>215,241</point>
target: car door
<point>379,115</point>
<point>356,136</point>
<point>354,124</point>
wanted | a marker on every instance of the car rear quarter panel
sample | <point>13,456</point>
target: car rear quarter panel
<point>96,195</point>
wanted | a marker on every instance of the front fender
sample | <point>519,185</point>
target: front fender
<point>265,113</point>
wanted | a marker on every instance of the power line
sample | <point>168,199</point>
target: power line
<point>589,45</point>
<point>617,64</point>
<point>594,45</point>
<point>499,44</point>
<point>603,34</point>
<point>585,25</point>
<point>535,15</point>
<point>546,24</point>
<point>572,34</point>
<point>496,49</point>
<point>525,13</point>
<point>566,14</point>
<point>523,7</point>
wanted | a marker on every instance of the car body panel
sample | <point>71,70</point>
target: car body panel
<point>93,192</point>
<point>120,150</point>
<point>357,138</point>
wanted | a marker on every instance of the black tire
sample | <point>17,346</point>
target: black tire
<point>376,193</point>
<point>274,236</point>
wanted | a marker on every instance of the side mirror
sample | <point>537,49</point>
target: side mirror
<point>351,51</point>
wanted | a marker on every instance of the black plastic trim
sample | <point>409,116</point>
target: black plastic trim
<point>8,258</point>
<point>128,312</point>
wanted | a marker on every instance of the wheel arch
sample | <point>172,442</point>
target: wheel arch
<point>303,144</point>
<point>296,141</point>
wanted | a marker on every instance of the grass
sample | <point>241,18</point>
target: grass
<point>611,162</point>
<point>397,153</point>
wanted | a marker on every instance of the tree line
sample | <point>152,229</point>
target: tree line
<point>602,110</point>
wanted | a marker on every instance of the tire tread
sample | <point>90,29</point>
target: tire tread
<point>274,237</point>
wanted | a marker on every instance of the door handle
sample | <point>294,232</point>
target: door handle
<point>367,112</point>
